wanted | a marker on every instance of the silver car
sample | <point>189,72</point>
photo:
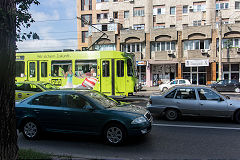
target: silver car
<point>193,101</point>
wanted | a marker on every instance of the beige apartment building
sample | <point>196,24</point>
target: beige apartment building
<point>170,39</point>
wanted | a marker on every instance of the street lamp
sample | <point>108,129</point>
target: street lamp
<point>220,46</point>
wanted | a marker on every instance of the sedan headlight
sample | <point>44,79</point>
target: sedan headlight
<point>139,120</point>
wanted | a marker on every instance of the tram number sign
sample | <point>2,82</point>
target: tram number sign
<point>56,82</point>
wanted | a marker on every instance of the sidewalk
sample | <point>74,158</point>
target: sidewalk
<point>147,91</point>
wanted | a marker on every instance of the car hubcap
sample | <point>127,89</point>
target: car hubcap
<point>30,129</point>
<point>114,135</point>
<point>237,90</point>
<point>172,114</point>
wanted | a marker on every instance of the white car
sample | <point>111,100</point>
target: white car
<point>163,87</point>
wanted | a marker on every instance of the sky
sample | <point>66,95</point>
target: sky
<point>56,25</point>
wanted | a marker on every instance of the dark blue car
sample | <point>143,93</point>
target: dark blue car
<point>84,112</point>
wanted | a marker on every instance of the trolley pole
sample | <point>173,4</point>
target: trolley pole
<point>220,47</point>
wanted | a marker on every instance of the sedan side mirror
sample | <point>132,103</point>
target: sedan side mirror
<point>227,97</point>
<point>220,99</point>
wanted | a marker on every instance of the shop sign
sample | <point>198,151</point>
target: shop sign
<point>141,63</point>
<point>197,63</point>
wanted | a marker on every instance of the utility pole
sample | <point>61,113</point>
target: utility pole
<point>220,46</point>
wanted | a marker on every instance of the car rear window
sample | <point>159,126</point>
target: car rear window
<point>171,94</point>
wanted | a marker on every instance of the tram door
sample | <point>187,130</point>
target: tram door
<point>106,77</point>
<point>120,75</point>
<point>32,71</point>
<point>43,75</point>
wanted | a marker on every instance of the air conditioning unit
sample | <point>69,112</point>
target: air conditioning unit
<point>110,19</point>
<point>171,53</point>
<point>204,50</point>
<point>131,0</point>
<point>238,50</point>
<point>190,8</point>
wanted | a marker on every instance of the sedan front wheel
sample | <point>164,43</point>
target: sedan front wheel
<point>115,134</point>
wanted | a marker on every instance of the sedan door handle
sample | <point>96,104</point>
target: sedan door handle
<point>67,113</point>
<point>178,102</point>
<point>28,94</point>
<point>36,111</point>
<point>201,104</point>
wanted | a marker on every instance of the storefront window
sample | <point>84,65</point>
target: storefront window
<point>226,67</point>
<point>201,69</point>
<point>196,75</point>
<point>185,69</point>
<point>194,69</point>
<point>234,67</point>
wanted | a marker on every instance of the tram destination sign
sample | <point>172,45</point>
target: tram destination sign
<point>197,63</point>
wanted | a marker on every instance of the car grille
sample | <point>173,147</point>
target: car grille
<point>148,116</point>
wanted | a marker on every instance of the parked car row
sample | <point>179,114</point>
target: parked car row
<point>91,112</point>
<point>221,85</point>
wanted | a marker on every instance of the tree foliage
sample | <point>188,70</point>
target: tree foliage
<point>24,19</point>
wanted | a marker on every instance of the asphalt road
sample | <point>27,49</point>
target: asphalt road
<point>189,138</point>
<point>199,139</point>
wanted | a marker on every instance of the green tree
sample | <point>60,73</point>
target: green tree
<point>14,14</point>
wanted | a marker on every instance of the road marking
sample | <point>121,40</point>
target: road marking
<point>190,126</point>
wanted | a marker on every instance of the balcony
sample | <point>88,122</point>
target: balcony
<point>164,55</point>
<point>196,54</point>
<point>132,36</point>
<point>231,54</point>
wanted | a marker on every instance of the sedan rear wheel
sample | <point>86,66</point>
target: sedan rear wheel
<point>237,90</point>
<point>30,130</point>
<point>172,114</point>
<point>115,134</point>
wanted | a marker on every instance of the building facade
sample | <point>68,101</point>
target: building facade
<point>170,39</point>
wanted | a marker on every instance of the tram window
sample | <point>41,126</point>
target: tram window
<point>120,68</point>
<point>105,68</point>
<point>129,68</point>
<point>32,69</point>
<point>20,67</point>
<point>59,68</point>
<point>86,68</point>
<point>43,69</point>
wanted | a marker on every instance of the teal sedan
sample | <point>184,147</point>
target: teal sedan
<point>83,112</point>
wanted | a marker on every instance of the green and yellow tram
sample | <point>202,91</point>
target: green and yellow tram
<point>110,72</point>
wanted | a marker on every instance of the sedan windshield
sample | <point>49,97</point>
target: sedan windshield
<point>102,99</point>
<point>48,86</point>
